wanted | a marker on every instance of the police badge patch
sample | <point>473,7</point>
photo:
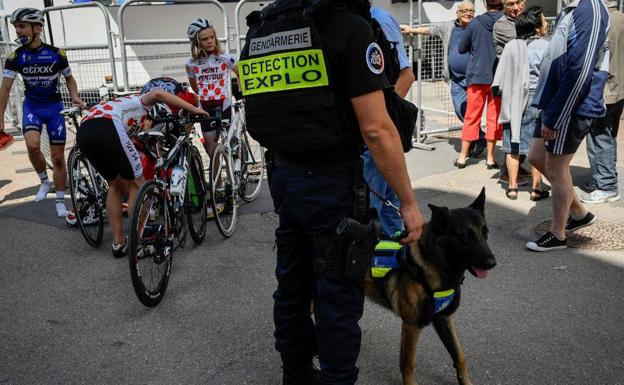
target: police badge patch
<point>375,59</point>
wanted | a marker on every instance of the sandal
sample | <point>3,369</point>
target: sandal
<point>538,195</point>
<point>459,164</point>
<point>491,166</point>
<point>512,193</point>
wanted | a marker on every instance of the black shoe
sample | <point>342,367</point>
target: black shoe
<point>308,375</point>
<point>459,164</point>
<point>120,250</point>
<point>492,166</point>
<point>547,242</point>
<point>575,224</point>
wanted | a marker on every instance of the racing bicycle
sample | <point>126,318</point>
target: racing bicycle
<point>88,189</point>
<point>167,207</point>
<point>236,169</point>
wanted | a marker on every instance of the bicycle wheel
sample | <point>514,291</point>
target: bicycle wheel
<point>150,253</point>
<point>196,202</point>
<point>83,181</point>
<point>252,169</point>
<point>222,194</point>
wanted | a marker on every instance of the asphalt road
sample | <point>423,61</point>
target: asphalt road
<point>68,314</point>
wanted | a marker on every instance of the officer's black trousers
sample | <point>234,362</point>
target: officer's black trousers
<point>309,203</point>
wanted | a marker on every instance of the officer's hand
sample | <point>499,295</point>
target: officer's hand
<point>79,103</point>
<point>414,222</point>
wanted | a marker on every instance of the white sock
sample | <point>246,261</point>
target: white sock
<point>43,176</point>
<point>43,191</point>
<point>60,195</point>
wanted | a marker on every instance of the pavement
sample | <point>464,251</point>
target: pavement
<point>68,313</point>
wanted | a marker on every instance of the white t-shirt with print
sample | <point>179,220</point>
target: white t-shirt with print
<point>212,74</point>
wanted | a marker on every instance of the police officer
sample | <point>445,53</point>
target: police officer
<point>313,82</point>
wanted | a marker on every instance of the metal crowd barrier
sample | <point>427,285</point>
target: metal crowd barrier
<point>159,57</point>
<point>91,63</point>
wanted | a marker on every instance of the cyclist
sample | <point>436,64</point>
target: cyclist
<point>209,74</point>
<point>40,66</point>
<point>104,138</point>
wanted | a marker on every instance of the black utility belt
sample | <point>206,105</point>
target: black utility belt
<point>337,169</point>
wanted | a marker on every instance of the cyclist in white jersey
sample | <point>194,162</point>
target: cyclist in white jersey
<point>209,74</point>
<point>104,138</point>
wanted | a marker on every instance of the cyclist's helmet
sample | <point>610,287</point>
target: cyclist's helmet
<point>196,27</point>
<point>159,110</point>
<point>163,83</point>
<point>171,86</point>
<point>27,15</point>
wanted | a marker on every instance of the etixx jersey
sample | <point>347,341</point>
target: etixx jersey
<point>40,69</point>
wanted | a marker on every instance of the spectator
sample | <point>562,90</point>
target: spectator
<point>455,64</point>
<point>479,75</point>
<point>503,32</point>
<point>570,94</point>
<point>391,221</point>
<point>516,78</point>
<point>602,138</point>
<point>505,28</point>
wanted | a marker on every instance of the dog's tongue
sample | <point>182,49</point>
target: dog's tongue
<point>480,273</point>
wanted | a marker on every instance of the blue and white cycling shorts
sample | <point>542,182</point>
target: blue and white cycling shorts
<point>38,114</point>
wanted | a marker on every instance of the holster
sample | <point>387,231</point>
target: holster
<point>348,252</point>
<point>329,255</point>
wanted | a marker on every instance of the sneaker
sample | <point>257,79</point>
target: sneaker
<point>600,196</point>
<point>70,219</point>
<point>547,242</point>
<point>5,140</point>
<point>575,224</point>
<point>61,210</point>
<point>210,213</point>
<point>120,250</point>
<point>44,188</point>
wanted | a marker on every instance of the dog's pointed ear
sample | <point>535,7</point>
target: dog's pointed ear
<point>438,213</point>
<point>479,203</point>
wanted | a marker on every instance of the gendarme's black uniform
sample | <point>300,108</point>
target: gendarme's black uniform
<point>312,191</point>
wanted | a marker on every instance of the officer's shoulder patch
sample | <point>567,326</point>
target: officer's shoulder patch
<point>374,58</point>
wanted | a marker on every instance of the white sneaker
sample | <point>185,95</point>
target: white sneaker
<point>61,210</point>
<point>44,188</point>
<point>600,196</point>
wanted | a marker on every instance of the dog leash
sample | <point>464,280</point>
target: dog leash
<point>385,201</point>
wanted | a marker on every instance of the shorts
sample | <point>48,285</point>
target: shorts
<point>569,139</point>
<point>211,108</point>
<point>106,144</point>
<point>37,114</point>
<point>531,121</point>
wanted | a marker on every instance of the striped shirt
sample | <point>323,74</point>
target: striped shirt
<point>575,67</point>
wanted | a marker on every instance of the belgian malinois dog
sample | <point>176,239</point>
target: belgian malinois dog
<point>425,288</point>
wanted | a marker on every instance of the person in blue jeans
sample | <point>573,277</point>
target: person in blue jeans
<point>455,63</point>
<point>389,217</point>
<point>602,139</point>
